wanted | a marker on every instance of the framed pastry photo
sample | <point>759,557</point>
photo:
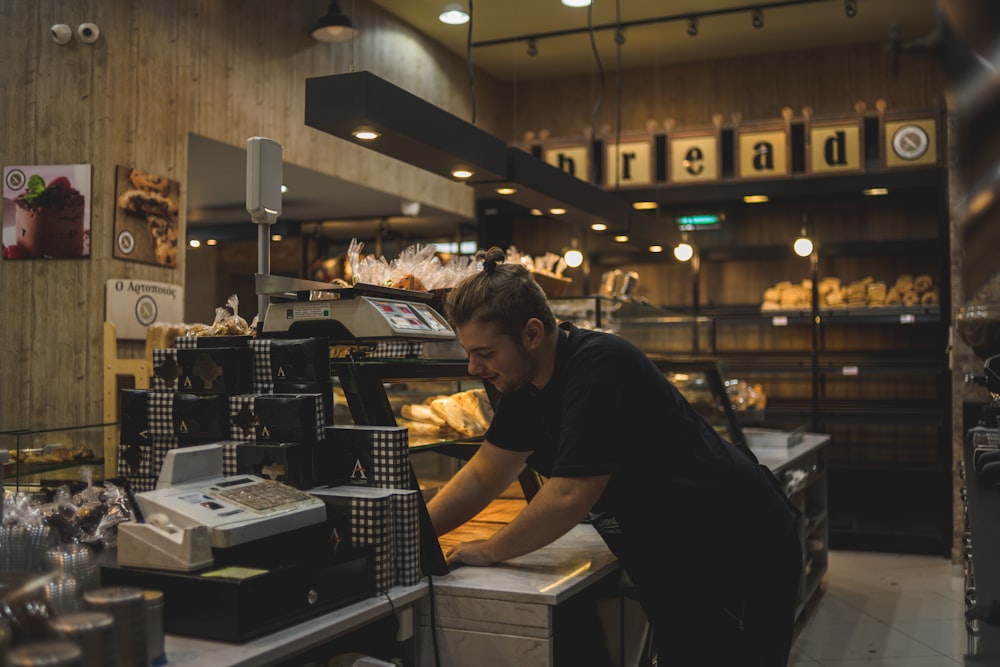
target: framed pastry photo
<point>46,211</point>
<point>146,209</point>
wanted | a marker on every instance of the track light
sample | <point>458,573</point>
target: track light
<point>454,14</point>
<point>335,26</point>
<point>851,8</point>
<point>757,18</point>
<point>532,48</point>
<point>693,26</point>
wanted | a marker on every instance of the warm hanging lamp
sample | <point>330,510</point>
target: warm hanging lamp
<point>335,26</point>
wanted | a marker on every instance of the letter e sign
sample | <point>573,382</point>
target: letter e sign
<point>693,159</point>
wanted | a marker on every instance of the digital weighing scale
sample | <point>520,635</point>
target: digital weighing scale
<point>351,314</point>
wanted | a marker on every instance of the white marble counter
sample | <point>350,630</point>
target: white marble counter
<point>285,643</point>
<point>549,575</point>
<point>777,460</point>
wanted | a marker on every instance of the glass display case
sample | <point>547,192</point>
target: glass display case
<point>654,330</point>
<point>700,381</point>
<point>46,458</point>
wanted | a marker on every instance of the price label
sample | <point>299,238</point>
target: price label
<point>849,370</point>
<point>907,318</point>
<point>779,321</point>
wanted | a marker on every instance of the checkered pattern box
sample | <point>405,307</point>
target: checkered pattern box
<point>287,462</point>
<point>375,456</point>
<point>323,388</point>
<point>193,342</point>
<point>382,519</point>
<point>211,370</point>
<point>289,360</point>
<point>274,418</point>
<point>193,419</point>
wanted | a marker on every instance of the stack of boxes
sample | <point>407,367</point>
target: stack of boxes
<point>230,390</point>
<point>269,404</point>
<point>372,499</point>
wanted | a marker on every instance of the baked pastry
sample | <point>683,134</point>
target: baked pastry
<point>142,202</point>
<point>163,232</point>
<point>143,180</point>
<point>923,283</point>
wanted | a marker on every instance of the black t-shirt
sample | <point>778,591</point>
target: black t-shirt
<point>679,495</point>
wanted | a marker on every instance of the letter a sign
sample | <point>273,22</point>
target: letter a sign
<point>763,152</point>
<point>835,147</point>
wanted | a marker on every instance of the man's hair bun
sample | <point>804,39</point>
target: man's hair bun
<point>491,258</point>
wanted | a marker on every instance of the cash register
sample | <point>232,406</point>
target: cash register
<point>236,556</point>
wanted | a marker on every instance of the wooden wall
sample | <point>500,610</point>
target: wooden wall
<point>223,69</point>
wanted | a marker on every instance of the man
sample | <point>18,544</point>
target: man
<point>709,541</point>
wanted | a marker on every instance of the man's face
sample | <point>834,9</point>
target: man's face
<point>495,357</point>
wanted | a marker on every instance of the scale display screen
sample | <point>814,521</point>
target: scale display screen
<point>435,321</point>
<point>401,315</point>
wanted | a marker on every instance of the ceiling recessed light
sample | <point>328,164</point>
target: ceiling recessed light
<point>506,191</point>
<point>211,242</point>
<point>557,211</point>
<point>576,3</point>
<point>275,237</point>
<point>365,134</point>
<point>644,205</point>
<point>621,238</point>
<point>194,243</point>
<point>875,192</point>
<point>599,227</point>
<point>461,173</point>
<point>655,248</point>
<point>754,199</point>
<point>536,212</point>
<point>454,14</point>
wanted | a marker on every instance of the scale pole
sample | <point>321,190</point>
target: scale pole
<point>263,204</point>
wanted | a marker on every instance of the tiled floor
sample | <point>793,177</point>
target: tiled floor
<point>883,609</point>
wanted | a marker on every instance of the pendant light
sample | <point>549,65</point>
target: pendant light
<point>683,251</point>
<point>573,256</point>
<point>803,245</point>
<point>335,26</point>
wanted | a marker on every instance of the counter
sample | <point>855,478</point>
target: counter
<point>511,612</point>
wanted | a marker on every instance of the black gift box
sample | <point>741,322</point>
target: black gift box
<point>212,370</point>
<point>290,360</point>
<point>148,416</point>
<point>376,456</point>
<point>274,418</point>
<point>325,389</point>
<point>288,462</point>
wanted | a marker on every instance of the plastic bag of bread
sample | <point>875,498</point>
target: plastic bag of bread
<point>227,322</point>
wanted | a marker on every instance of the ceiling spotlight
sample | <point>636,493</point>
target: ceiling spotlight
<point>461,173</point>
<point>757,18</point>
<point>335,26</point>
<point>506,191</point>
<point>558,210</point>
<point>621,238</point>
<point>532,47</point>
<point>693,26</point>
<point>599,227</point>
<point>454,14</point>
<point>365,133</point>
<point>851,8</point>
<point>655,248</point>
<point>576,3</point>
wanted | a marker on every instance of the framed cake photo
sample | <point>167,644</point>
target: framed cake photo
<point>146,224</point>
<point>46,211</point>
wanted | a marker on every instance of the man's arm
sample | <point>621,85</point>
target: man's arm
<point>490,470</point>
<point>559,505</point>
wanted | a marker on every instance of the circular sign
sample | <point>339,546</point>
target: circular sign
<point>16,179</point>
<point>145,310</point>
<point>126,242</point>
<point>910,142</point>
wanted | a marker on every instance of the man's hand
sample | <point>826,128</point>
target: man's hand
<point>473,552</point>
